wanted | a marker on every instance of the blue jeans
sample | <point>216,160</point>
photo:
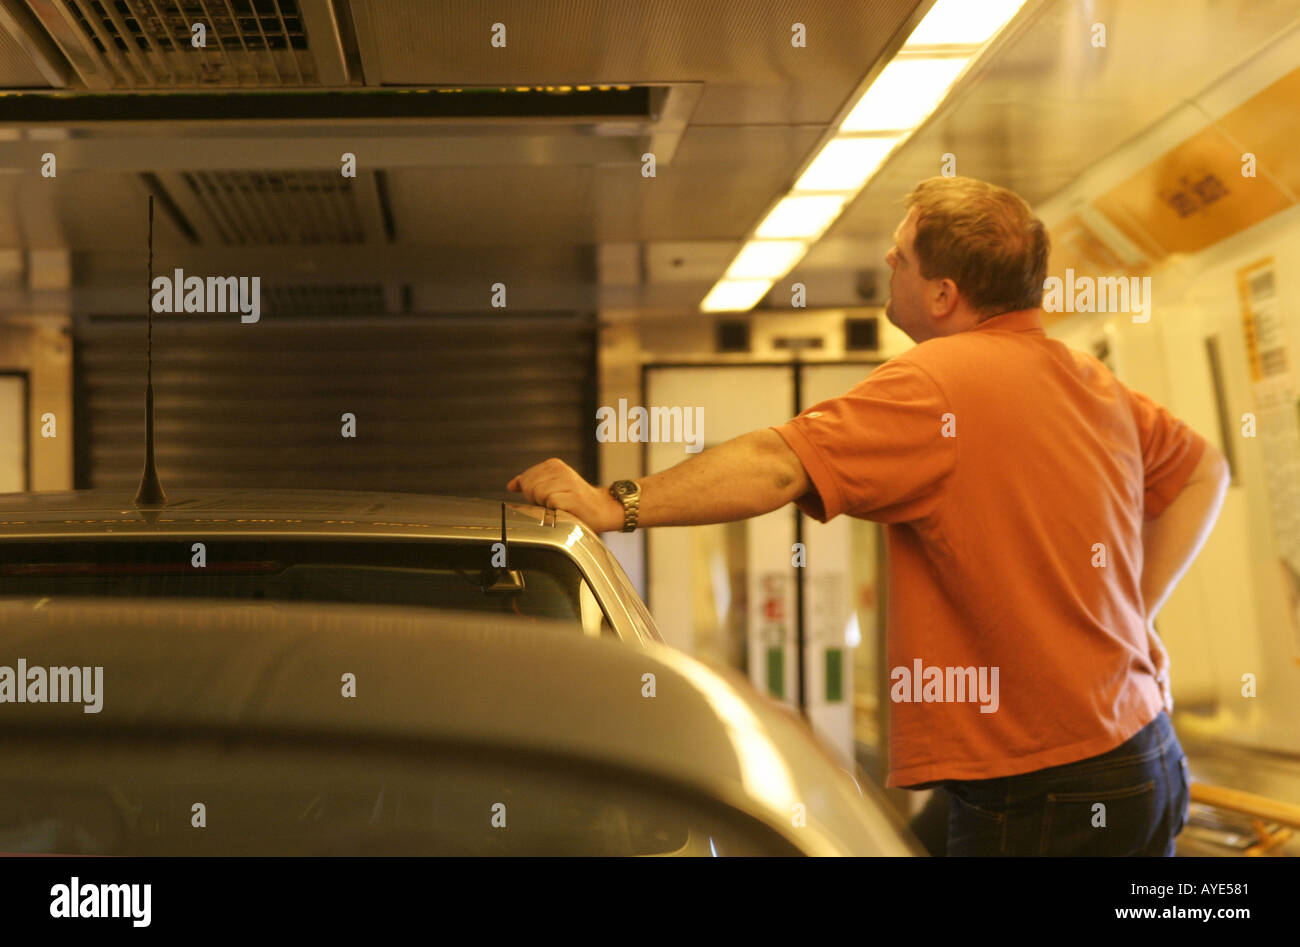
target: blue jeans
<point>1130,801</point>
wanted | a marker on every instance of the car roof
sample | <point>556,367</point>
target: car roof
<point>239,668</point>
<point>111,515</point>
<point>263,510</point>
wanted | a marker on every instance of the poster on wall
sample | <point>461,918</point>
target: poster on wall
<point>1277,418</point>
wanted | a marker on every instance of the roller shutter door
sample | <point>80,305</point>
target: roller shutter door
<point>442,405</point>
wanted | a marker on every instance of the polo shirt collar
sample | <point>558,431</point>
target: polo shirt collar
<point>1022,320</point>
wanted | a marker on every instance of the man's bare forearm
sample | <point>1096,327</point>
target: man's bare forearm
<point>746,476</point>
<point>1171,541</point>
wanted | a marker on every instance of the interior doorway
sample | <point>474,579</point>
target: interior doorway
<point>14,468</point>
<point>748,594</point>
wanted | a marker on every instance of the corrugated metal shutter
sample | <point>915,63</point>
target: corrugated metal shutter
<point>443,405</point>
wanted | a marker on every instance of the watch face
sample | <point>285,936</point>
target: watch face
<point>625,488</point>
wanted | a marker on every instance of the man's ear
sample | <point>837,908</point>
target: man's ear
<point>943,299</point>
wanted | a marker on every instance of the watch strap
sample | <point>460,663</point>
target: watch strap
<point>631,506</point>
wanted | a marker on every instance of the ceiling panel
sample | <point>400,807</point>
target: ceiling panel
<point>17,71</point>
<point>80,211</point>
<point>1050,105</point>
<point>740,48</point>
<point>717,186</point>
<point>545,196</point>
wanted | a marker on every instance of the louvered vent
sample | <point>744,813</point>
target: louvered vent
<point>286,208</point>
<point>350,299</point>
<point>147,43</point>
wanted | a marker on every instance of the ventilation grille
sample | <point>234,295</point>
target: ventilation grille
<point>732,336</point>
<point>861,335</point>
<point>147,43</point>
<point>288,208</point>
<point>360,299</point>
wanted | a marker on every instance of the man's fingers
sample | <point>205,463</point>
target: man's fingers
<point>547,491</point>
<point>538,487</point>
<point>527,482</point>
<point>560,500</point>
<point>532,479</point>
<point>556,485</point>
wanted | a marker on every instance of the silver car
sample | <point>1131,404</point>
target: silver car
<point>381,560</point>
<point>244,728</point>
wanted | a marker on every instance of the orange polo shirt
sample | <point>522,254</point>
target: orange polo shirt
<point>1014,474</point>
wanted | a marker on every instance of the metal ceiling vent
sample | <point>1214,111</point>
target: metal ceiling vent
<point>147,43</point>
<point>324,299</point>
<point>282,208</point>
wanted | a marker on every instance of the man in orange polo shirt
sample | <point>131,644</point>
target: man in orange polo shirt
<point>1038,515</point>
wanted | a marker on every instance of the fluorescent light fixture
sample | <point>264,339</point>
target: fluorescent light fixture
<point>801,216</point>
<point>845,164</point>
<point>904,94</point>
<point>731,295</point>
<point>765,259</point>
<point>962,22</point>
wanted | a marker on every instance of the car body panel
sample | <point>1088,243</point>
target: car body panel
<point>244,669</point>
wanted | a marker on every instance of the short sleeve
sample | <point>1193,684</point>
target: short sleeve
<point>878,451</point>
<point>1170,452</point>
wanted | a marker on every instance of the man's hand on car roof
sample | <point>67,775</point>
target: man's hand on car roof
<point>555,484</point>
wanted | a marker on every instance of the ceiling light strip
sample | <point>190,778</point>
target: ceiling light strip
<point>917,80</point>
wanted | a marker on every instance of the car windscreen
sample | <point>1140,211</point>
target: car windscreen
<point>174,794</point>
<point>539,581</point>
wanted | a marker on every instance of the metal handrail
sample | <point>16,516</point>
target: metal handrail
<point>1260,809</point>
<point>1247,803</point>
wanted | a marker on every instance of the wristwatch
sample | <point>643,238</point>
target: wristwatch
<point>627,492</point>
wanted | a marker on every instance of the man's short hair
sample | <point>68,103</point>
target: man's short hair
<point>985,239</point>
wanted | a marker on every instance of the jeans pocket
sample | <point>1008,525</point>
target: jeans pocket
<point>1101,822</point>
<point>975,831</point>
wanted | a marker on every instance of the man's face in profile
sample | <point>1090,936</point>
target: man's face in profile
<point>905,307</point>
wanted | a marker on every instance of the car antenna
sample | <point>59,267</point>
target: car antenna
<point>502,578</point>
<point>151,491</point>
